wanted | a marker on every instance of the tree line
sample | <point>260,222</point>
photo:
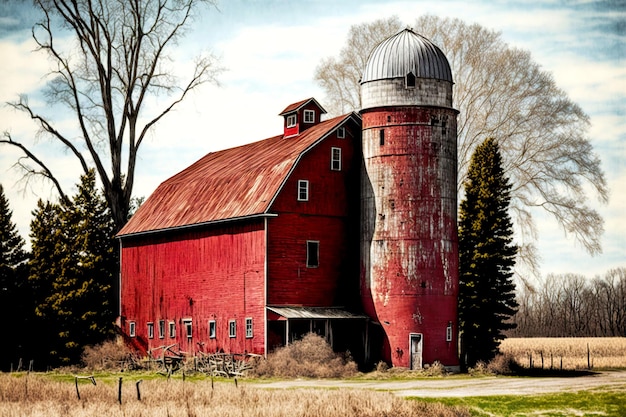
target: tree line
<point>62,296</point>
<point>571,305</point>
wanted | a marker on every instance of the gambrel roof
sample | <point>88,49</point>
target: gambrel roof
<point>234,183</point>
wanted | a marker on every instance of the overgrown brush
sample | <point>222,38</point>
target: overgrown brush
<point>107,356</point>
<point>309,357</point>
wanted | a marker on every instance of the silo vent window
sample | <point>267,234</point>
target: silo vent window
<point>382,137</point>
<point>410,80</point>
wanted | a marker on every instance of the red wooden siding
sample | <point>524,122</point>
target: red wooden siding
<point>213,274</point>
<point>325,218</point>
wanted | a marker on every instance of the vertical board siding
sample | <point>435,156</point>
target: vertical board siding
<point>215,274</point>
<point>326,217</point>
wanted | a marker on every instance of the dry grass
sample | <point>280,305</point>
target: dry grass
<point>604,352</point>
<point>36,395</point>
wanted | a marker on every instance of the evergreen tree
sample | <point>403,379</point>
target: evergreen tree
<point>486,256</point>
<point>13,288</point>
<point>44,268</point>
<point>74,265</point>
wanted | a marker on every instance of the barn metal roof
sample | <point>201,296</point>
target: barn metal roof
<point>235,183</point>
<point>296,106</point>
<point>406,52</point>
<point>318,313</point>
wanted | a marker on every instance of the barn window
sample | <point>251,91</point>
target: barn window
<point>335,159</point>
<point>291,120</point>
<point>249,328</point>
<point>161,329</point>
<point>309,116</point>
<point>381,137</point>
<point>232,328</point>
<point>303,190</point>
<point>212,329</point>
<point>449,332</point>
<point>188,328</point>
<point>312,253</point>
<point>410,80</point>
<point>341,132</point>
<point>132,332</point>
<point>150,330</point>
<point>172,329</point>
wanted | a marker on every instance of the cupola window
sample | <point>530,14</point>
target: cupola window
<point>309,116</point>
<point>410,80</point>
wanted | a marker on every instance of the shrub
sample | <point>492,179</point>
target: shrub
<point>310,357</point>
<point>107,356</point>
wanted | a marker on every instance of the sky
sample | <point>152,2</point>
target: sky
<point>270,49</point>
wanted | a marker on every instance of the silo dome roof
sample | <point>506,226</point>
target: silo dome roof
<point>403,53</point>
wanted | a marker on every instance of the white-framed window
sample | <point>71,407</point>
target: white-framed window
<point>303,190</point>
<point>187,323</point>
<point>172,331</point>
<point>291,120</point>
<point>150,330</point>
<point>335,159</point>
<point>341,132</point>
<point>249,331</point>
<point>132,329</point>
<point>161,329</point>
<point>232,328</point>
<point>212,329</point>
<point>312,253</point>
<point>309,116</point>
<point>449,332</point>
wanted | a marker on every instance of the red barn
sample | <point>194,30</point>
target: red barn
<point>249,247</point>
<point>345,227</point>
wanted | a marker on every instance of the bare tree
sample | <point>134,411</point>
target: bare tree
<point>501,93</point>
<point>118,61</point>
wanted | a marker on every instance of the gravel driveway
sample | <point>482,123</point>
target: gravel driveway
<point>469,387</point>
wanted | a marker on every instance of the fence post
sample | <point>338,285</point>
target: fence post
<point>77,392</point>
<point>138,392</point>
<point>119,391</point>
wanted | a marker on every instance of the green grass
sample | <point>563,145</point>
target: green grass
<point>583,403</point>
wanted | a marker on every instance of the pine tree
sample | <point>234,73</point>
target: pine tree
<point>486,256</point>
<point>74,268</point>
<point>13,288</point>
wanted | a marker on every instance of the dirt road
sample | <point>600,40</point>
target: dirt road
<point>470,387</point>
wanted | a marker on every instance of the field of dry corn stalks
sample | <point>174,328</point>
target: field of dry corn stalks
<point>30,395</point>
<point>568,352</point>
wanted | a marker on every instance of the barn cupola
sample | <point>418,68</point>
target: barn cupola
<point>300,116</point>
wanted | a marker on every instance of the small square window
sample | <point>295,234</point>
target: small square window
<point>335,159</point>
<point>312,253</point>
<point>172,329</point>
<point>212,329</point>
<point>341,132</point>
<point>303,190</point>
<point>309,116</point>
<point>150,330</point>
<point>188,328</point>
<point>291,120</point>
<point>232,328</point>
<point>132,332</point>
<point>161,329</point>
<point>249,328</point>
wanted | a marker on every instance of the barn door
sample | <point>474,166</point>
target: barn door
<point>416,342</point>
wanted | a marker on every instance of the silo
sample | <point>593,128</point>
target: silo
<point>409,245</point>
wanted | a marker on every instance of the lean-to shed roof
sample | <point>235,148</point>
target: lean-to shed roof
<point>234,183</point>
